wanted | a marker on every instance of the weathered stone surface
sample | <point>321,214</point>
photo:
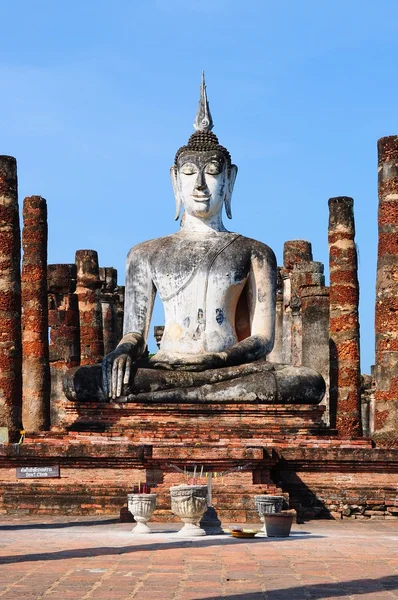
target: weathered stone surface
<point>386,322</point>
<point>90,312</point>
<point>344,322</point>
<point>10,301</point>
<point>35,353</point>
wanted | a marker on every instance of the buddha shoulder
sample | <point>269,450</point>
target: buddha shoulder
<point>144,251</point>
<point>258,250</point>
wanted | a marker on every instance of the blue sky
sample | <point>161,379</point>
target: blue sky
<point>97,96</point>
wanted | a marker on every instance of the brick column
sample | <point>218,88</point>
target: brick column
<point>386,368</point>
<point>63,318</point>
<point>35,365</point>
<point>108,277</point>
<point>296,251</point>
<point>10,300</point>
<point>88,291</point>
<point>344,323</point>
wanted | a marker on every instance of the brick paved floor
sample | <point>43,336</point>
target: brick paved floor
<point>84,558</point>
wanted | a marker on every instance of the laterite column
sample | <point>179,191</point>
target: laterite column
<point>344,323</point>
<point>63,318</point>
<point>108,277</point>
<point>88,291</point>
<point>10,301</point>
<point>294,252</point>
<point>35,365</point>
<point>386,368</point>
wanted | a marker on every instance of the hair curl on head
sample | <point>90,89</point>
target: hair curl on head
<point>204,141</point>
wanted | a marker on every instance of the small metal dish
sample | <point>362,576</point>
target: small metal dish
<point>244,533</point>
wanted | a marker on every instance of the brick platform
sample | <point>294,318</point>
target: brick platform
<point>322,476</point>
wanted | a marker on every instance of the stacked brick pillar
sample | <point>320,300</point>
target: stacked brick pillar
<point>109,299</point>
<point>344,324</point>
<point>302,318</point>
<point>35,367</point>
<point>88,291</point>
<point>63,317</point>
<point>386,371</point>
<point>10,301</point>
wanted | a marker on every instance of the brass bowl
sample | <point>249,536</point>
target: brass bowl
<point>244,533</point>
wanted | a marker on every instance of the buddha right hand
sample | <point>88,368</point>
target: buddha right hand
<point>116,366</point>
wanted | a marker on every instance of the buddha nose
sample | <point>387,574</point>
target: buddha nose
<point>200,184</point>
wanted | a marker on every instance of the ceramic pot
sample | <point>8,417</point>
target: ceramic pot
<point>189,502</point>
<point>278,524</point>
<point>267,505</point>
<point>141,506</point>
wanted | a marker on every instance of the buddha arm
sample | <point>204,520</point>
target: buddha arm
<point>261,296</point>
<point>140,298</point>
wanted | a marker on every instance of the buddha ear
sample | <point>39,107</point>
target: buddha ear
<point>230,188</point>
<point>173,175</point>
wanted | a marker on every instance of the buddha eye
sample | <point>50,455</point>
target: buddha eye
<point>213,168</point>
<point>188,169</point>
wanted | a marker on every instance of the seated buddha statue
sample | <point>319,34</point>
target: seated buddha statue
<point>218,290</point>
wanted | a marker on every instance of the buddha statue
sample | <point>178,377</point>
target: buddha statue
<point>218,291</point>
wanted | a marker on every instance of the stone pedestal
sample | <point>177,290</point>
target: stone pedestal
<point>189,502</point>
<point>210,522</point>
<point>141,507</point>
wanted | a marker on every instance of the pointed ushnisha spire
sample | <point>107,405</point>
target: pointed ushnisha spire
<point>203,120</point>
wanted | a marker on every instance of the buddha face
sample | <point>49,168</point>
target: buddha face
<point>202,183</point>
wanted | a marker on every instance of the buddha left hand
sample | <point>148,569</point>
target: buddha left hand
<point>116,365</point>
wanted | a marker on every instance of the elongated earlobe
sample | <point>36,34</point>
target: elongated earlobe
<point>230,189</point>
<point>173,175</point>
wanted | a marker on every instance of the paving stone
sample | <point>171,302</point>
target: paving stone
<point>347,559</point>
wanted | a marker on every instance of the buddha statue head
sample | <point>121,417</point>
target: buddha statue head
<point>203,175</point>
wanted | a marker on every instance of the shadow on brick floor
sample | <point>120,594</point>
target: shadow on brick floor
<point>60,525</point>
<point>120,550</point>
<point>320,590</point>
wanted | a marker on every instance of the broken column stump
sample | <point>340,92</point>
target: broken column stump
<point>344,322</point>
<point>88,290</point>
<point>10,301</point>
<point>35,357</point>
<point>386,368</point>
